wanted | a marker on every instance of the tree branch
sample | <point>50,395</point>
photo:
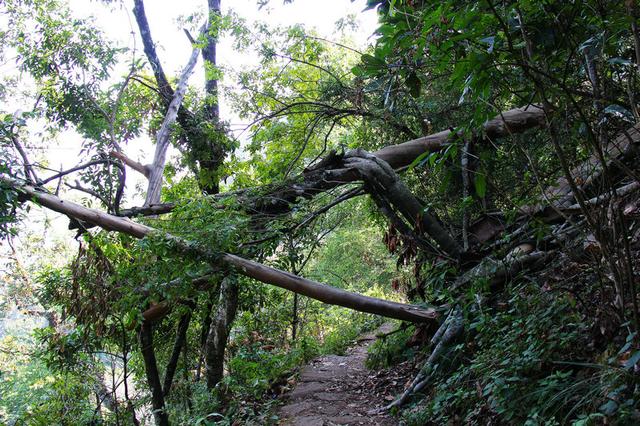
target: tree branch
<point>150,50</point>
<point>138,167</point>
<point>251,269</point>
<point>29,173</point>
<point>178,345</point>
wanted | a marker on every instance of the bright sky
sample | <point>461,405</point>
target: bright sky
<point>174,49</point>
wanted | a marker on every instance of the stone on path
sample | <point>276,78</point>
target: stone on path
<point>332,390</point>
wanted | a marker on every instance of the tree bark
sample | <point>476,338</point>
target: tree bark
<point>219,332</point>
<point>251,269</point>
<point>379,175</point>
<point>212,110</point>
<point>208,152</point>
<point>153,378</point>
<point>206,324</point>
<point>328,294</point>
<point>505,124</point>
<point>135,165</point>
<point>162,142</point>
<point>150,50</point>
<point>586,175</point>
<point>181,336</point>
<point>294,318</point>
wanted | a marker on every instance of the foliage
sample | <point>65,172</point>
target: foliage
<point>533,373</point>
<point>391,350</point>
<point>52,395</point>
<point>526,355</point>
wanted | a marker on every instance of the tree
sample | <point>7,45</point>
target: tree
<point>326,117</point>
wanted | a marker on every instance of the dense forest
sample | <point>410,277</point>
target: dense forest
<point>464,188</point>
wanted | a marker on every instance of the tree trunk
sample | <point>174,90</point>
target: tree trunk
<point>212,110</point>
<point>381,177</point>
<point>294,318</point>
<point>328,294</point>
<point>219,331</point>
<point>153,378</point>
<point>206,324</point>
<point>162,141</point>
<point>505,124</point>
<point>178,346</point>
<point>249,268</point>
<point>150,50</point>
<point>206,150</point>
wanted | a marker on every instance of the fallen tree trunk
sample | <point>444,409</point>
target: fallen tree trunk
<point>505,124</point>
<point>251,269</point>
<point>558,200</point>
<point>587,174</point>
<point>381,178</point>
<point>328,294</point>
<point>330,172</point>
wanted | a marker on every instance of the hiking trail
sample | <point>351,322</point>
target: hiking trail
<point>340,390</point>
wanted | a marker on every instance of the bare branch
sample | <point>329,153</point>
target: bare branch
<point>138,167</point>
<point>157,167</point>
<point>29,173</point>
<point>249,268</point>
<point>79,187</point>
<point>80,167</point>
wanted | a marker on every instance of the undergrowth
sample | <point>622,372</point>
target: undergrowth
<point>260,374</point>
<point>391,350</point>
<point>527,359</point>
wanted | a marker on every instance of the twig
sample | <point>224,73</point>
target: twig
<point>80,167</point>
<point>464,163</point>
<point>29,173</point>
<point>89,191</point>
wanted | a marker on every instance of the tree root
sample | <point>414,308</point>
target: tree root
<point>448,331</point>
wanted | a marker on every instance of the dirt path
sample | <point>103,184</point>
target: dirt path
<point>337,390</point>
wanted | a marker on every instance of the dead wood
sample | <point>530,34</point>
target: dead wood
<point>251,269</point>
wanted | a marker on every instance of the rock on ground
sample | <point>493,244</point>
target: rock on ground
<point>337,390</point>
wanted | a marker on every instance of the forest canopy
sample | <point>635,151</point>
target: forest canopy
<point>468,178</point>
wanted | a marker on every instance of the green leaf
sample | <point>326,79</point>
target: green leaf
<point>372,61</point>
<point>609,408</point>
<point>632,361</point>
<point>480,183</point>
<point>392,8</point>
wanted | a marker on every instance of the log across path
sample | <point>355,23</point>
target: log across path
<point>263,273</point>
<point>339,390</point>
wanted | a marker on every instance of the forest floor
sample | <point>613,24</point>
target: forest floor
<point>340,390</point>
